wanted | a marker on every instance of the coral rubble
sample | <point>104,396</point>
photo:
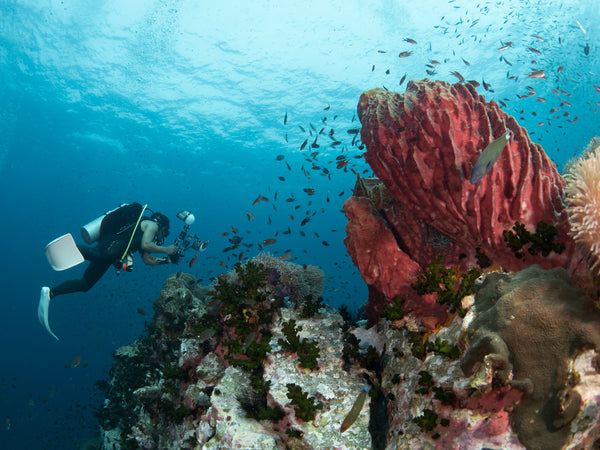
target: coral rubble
<point>422,146</point>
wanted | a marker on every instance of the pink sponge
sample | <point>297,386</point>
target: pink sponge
<point>423,144</point>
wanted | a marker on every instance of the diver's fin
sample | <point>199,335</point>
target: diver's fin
<point>43,308</point>
<point>62,253</point>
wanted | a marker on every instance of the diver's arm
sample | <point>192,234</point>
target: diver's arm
<point>150,260</point>
<point>148,244</point>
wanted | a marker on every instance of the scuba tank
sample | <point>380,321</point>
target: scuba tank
<point>90,232</point>
<point>117,221</point>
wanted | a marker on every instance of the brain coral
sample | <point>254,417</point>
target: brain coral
<point>583,204</point>
<point>529,328</point>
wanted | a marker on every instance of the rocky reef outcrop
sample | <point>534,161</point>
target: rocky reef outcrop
<point>256,360</point>
<point>519,371</point>
<point>516,366</point>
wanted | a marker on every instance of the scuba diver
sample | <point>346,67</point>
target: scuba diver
<point>119,234</point>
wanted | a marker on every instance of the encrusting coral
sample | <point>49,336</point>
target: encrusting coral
<point>527,330</point>
<point>583,204</point>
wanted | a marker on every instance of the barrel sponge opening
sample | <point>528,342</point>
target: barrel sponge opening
<point>532,325</point>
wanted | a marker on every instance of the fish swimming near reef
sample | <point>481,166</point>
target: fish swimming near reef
<point>355,411</point>
<point>537,74</point>
<point>489,156</point>
<point>193,260</point>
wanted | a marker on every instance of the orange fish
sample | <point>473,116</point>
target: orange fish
<point>269,241</point>
<point>285,256</point>
<point>193,260</point>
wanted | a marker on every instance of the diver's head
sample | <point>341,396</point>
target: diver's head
<point>163,226</point>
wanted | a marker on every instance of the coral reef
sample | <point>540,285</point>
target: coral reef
<point>422,146</point>
<point>221,367</point>
<point>583,204</point>
<point>298,281</point>
<point>516,394</point>
<point>515,323</point>
<point>243,363</point>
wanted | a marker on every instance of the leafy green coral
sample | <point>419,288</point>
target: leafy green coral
<point>308,351</point>
<point>444,348</point>
<point>418,344</point>
<point>393,311</point>
<point>234,291</point>
<point>250,357</point>
<point>482,259</point>
<point>425,381</point>
<point>450,284</point>
<point>254,401</point>
<point>542,241</point>
<point>304,406</point>
<point>348,316</point>
<point>446,397</point>
<point>310,307</point>
<point>426,421</point>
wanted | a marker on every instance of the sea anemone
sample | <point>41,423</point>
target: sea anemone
<point>583,205</point>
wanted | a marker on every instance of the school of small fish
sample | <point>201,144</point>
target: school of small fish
<point>325,148</point>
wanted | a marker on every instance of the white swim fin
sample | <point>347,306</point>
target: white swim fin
<point>62,253</point>
<point>43,308</point>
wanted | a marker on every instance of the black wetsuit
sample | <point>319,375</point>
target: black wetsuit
<point>108,251</point>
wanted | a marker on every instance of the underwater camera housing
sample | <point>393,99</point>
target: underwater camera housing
<point>185,240</point>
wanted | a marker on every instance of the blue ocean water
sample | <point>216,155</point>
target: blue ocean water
<point>182,104</point>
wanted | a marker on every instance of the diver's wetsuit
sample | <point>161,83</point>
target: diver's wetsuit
<point>109,250</point>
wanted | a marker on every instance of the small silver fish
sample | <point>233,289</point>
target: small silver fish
<point>489,156</point>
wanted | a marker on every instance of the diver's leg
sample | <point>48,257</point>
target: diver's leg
<point>91,276</point>
<point>99,264</point>
<point>90,253</point>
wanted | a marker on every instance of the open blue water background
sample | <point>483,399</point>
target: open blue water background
<point>180,104</point>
